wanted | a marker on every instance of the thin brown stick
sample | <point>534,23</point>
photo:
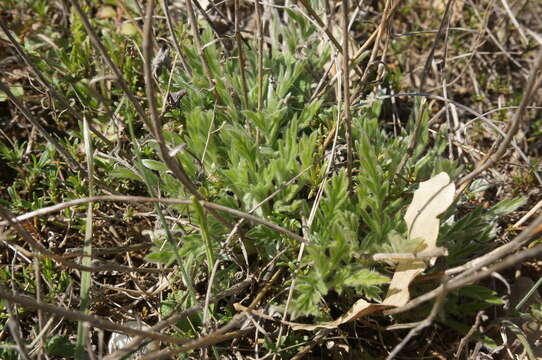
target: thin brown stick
<point>77,252</point>
<point>328,32</point>
<point>242,60</point>
<point>222,334</point>
<point>105,56</point>
<point>318,93</point>
<point>38,286</point>
<point>103,266</point>
<point>421,109</point>
<point>136,199</point>
<point>259,26</point>
<point>314,341</point>
<point>155,124</point>
<point>41,336</point>
<point>374,36</point>
<point>95,321</point>
<point>478,271</point>
<point>493,156</point>
<point>201,49</point>
<point>165,9</point>
<point>431,54</point>
<point>212,25</point>
<point>346,97</point>
<point>15,329</point>
<point>136,342</point>
<point>422,324</point>
<point>266,288</point>
<point>208,293</point>
<point>379,33</point>
<point>197,344</point>
<point>46,84</point>
<point>475,44</point>
<point>317,18</point>
<point>74,165</point>
<point>472,330</point>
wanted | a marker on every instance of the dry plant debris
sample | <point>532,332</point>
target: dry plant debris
<point>253,180</point>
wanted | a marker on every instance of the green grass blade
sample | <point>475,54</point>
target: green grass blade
<point>82,330</point>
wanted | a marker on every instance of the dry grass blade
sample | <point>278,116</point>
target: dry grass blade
<point>103,52</point>
<point>93,320</point>
<point>281,144</point>
<point>135,343</point>
<point>135,199</point>
<point>46,253</point>
<point>24,56</point>
<point>15,329</point>
<point>226,332</point>
<point>28,115</point>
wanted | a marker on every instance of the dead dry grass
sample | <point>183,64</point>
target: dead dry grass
<point>474,65</point>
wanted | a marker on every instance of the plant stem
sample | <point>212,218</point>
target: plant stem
<point>204,233</point>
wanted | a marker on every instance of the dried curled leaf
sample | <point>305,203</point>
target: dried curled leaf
<point>431,199</point>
